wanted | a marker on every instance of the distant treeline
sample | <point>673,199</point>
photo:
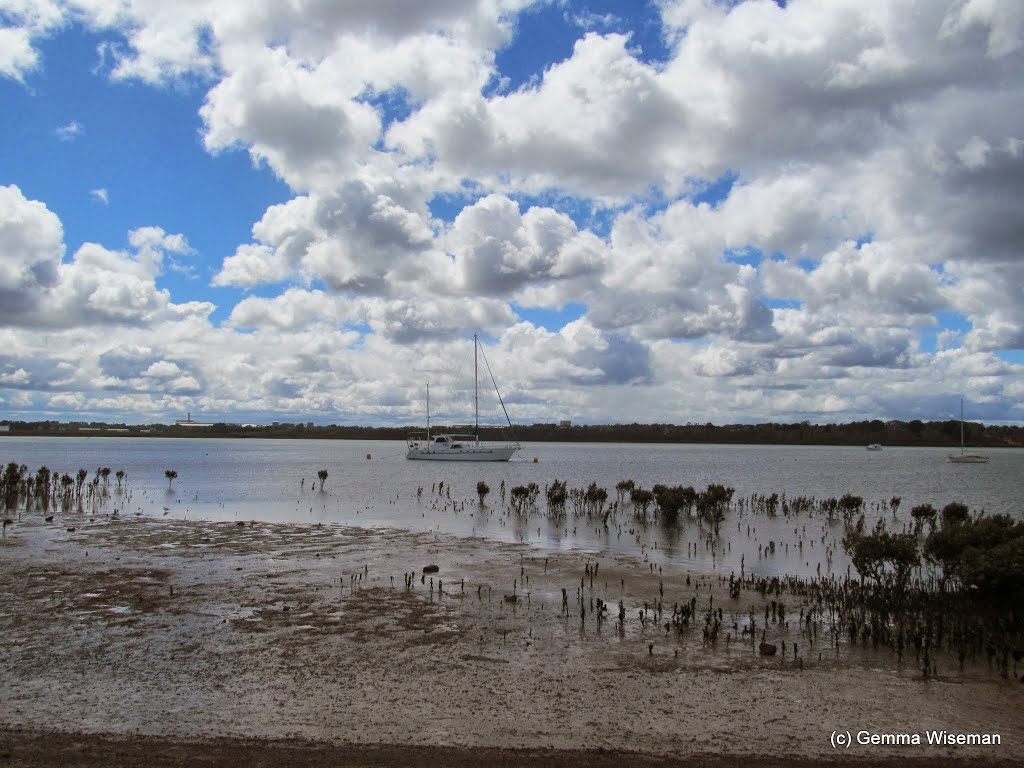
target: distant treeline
<point>887,433</point>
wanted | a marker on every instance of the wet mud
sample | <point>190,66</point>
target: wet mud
<point>323,637</point>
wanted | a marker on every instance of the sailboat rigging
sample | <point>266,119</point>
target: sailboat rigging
<point>963,457</point>
<point>456,447</point>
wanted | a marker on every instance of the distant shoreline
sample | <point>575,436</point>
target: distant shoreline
<point>932,434</point>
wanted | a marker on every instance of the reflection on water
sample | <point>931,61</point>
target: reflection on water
<point>276,480</point>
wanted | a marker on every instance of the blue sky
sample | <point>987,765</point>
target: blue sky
<point>657,211</point>
<point>139,143</point>
<point>545,33</point>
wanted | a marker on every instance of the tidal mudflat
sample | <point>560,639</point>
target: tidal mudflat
<point>158,641</point>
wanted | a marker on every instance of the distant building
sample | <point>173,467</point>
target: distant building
<point>5,427</point>
<point>565,423</point>
<point>189,423</point>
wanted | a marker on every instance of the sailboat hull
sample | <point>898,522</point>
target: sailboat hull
<point>481,453</point>
<point>968,458</point>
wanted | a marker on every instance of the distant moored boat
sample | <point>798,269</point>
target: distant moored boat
<point>451,447</point>
<point>963,457</point>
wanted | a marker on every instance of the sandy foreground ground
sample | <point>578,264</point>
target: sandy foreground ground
<point>166,642</point>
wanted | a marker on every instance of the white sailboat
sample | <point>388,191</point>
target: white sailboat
<point>963,457</point>
<point>461,447</point>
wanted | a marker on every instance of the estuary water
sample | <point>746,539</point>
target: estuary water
<point>370,483</point>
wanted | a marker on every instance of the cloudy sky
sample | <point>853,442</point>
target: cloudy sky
<point>660,211</point>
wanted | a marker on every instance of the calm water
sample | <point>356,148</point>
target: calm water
<point>261,480</point>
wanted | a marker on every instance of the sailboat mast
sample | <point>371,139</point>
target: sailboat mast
<point>428,411</point>
<point>961,425</point>
<point>476,394</point>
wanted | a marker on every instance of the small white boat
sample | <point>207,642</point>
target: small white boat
<point>875,447</point>
<point>461,447</point>
<point>964,457</point>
